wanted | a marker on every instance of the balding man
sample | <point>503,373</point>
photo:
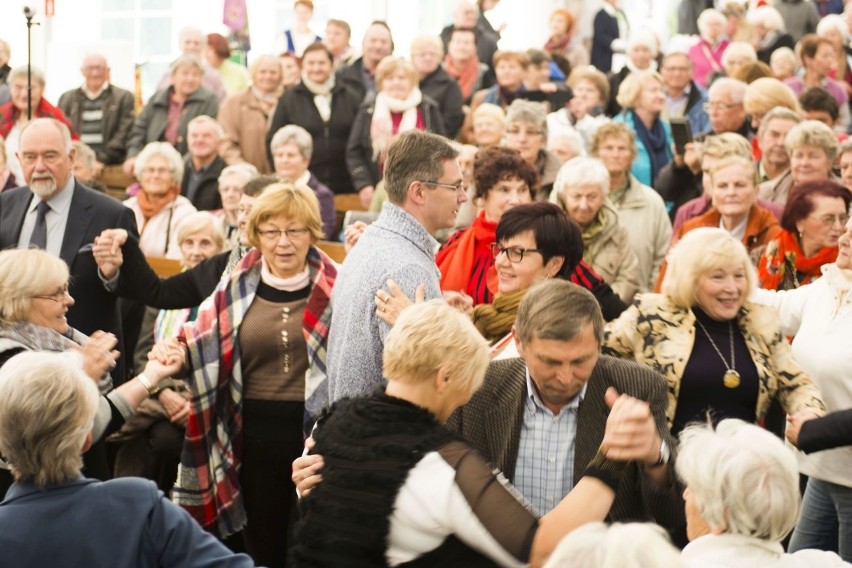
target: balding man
<point>360,76</point>
<point>193,42</point>
<point>100,112</point>
<point>202,164</point>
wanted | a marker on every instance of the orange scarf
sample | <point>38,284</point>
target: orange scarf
<point>456,261</point>
<point>150,205</point>
<point>784,260</point>
<point>465,75</point>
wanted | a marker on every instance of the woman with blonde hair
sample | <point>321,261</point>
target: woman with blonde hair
<point>718,351</point>
<point>397,107</point>
<point>765,94</point>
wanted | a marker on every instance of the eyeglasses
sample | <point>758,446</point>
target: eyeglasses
<point>292,234</point>
<point>515,131</point>
<point>58,296</point>
<point>514,254</point>
<point>459,187</point>
<point>50,158</point>
<point>721,106</point>
<point>831,220</point>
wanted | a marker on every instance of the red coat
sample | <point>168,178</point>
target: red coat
<point>9,116</point>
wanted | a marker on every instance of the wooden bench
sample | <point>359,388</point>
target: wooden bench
<point>165,267</point>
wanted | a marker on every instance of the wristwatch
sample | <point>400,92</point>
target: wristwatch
<point>665,453</point>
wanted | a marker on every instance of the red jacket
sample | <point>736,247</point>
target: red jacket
<point>9,116</point>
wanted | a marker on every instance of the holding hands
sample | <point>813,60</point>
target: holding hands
<point>631,433</point>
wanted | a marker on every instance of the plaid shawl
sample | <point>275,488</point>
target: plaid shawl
<point>208,484</point>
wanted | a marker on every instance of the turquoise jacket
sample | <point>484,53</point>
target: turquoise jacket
<point>641,168</point>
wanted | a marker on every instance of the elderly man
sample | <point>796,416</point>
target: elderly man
<point>100,112</point>
<point>338,34</point>
<point>463,65</point>
<point>541,418</point>
<point>684,98</point>
<point>360,75</point>
<point>725,108</point>
<point>774,160</point>
<point>193,42</point>
<point>425,190</point>
<point>56,213</point>
<point>202,164</point>
<point>427,53</point>
<point>47,407</point>
<point>466,15</point>
<point>13,114</point>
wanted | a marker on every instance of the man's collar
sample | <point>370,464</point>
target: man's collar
<point>204,167</point>
<point>95,94</point>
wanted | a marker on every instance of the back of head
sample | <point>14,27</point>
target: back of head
<point>415,156</point>
<point>47,407</point>
<point>559,310</point>
<point>431,335</point>
<point>631,545</point>
<point>741,477</point>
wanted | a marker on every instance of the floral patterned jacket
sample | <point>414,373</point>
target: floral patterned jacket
<point>656,332</point>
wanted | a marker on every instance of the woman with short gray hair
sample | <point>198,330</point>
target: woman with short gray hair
<point>742,498</point>
<point>581,189</point>
<point>292,147</point>
<point>706,55</point>
<point>526,132</point>
<point>158,205</point>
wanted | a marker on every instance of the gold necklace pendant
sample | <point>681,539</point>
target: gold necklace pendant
<point>731,379</point>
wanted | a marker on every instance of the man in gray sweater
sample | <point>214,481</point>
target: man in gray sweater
<point>425,190</point>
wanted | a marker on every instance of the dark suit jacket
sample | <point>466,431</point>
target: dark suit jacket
<point>351,76</point>
<point>90,213</point>
<point>491,423</point>
<point>119,114</point>
<point>605,31</point>
<point>206,196</point>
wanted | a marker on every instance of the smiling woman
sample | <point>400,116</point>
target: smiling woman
<point>719,352</point>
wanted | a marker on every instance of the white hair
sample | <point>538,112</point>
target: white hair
<point>631,545</point>
<point>834,22</point>
<point>705,18</point>
<point>582,171</point>
<point>736,88</point>
<point>164,150</point>
<point>204,119</point>
<point>646,38</point>
<point>766,16</point>
<point>293,134</point>
<point>742,478</point>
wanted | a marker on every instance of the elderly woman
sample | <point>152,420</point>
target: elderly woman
<point>641,210</point>
<point>706,55</point>
<point>763,95</point>
<point>737,54</point>
<point>812,147</point>
<point>231,182</point>
<point>584,111</point>
<point>13,114</point>
<point>292,148</point>
<point>151,442</point>
<point>718,351</point>
<point>502,180</point>
<point>642,95</point>
<point>489,125</point>
<point>581,189</point>
<point>814,218</point>
<point>563,45</point>
<point>783,63</point>
<point>643,46</point>
<point>33,302</point>
<point>819,56</point>
<point>167,113</point>
<point>817,315</point>
<point>433,361</point>
<point>844,159</point>
<point>768,32</point>
<point>256,355</point>
<point>398,106</point>
<point>327,111</point>
<point>47,408</point>
<point>742,498</point>
<point>234,76</point>
<point>834,27</point>
<point>244,116</point>
<point>596,545</point>
<point>158,206</point>
<point>526,132</point>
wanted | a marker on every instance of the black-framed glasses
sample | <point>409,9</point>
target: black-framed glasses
<point>514,254</point>
<point>457,187</point>
<point>292,234</point>
<point>58,296</point>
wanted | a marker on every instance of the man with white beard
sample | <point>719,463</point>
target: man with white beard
<point>58,214</point>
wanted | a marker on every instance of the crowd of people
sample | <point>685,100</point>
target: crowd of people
<point>594,306</point>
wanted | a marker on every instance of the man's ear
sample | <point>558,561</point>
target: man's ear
<point>416,192</point>
<point>87,443</point>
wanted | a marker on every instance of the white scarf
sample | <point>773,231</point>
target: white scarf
<point>290,284</point>
<point>322,95</point>
<point>381,127</point>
